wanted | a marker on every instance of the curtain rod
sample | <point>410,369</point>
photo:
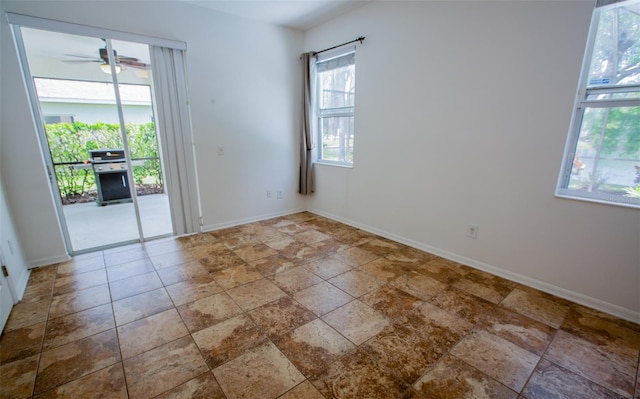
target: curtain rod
<point>360,39</point>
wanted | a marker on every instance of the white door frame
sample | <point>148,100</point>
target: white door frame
<point>185,207</point>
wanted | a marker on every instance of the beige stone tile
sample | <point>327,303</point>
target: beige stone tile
<point>418,285</point>
<point>75,282</point>
<point>355,282</point>
<point>355,256</point>
<point>37,292</point>
<point>306,390</point>
<point>18,377</point>
<point>108,383</point>
<point>300,253</point>
<point>391,302</point>
<point>237,275</point>
<point>453,378</point>
<point>484,285</point>
<point>322,298</point>
<point>352,236</point>
<point>380,246</point>
<point>176,258</point>
<point>327,267</point>
<point>552,381</point>
<point>608,369</point>
<point>356,321</point>
<point>134,285</point>
<point>79,300</point>
<point>129,269</point>
<point>295,279</point>
<point>202,387</point>
<point>120,255</point>
<point>255,252</point>
<point>144,334</point>
<point>165,367</point>
<point>325,248</point>
<point>76,359</point>
<point>357,375</point>
<point>72,327</point>
<point>527,333</point>
<point>193,289</point>
<point>608,332</point>
<point>44,274</point>
<point>228,339</point>
<point>313,346</point>
<point>272,265</point>
<point>444,270</point>
<point>416,341</point>
<point>262,372</point>
<point>497,357</point>
<point>220,259</point>
<point>280,316</point>
<point>21,343</point>
<point>300,217</point>
<point>81,264</point>
<point>187,271</point>
<point>141,306</point>
<point>208,311</point>
<point>385,270</point>
<point>256,293</point>
<point>537,305</point>
<point>291,227</point>
<point>25,314</point>
<point>467,306</point>
<point>239,241</point>
<point>311,236</point>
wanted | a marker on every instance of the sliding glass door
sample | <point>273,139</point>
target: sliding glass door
<point>93,101</point>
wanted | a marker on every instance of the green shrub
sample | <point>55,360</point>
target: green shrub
<point>69,143</point>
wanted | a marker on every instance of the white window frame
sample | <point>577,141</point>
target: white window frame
<point>320,114</point>
<point>582,103</point>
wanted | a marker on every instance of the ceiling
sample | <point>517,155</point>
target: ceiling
<point>297,14</point>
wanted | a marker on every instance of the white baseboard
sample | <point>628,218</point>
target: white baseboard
<point>572,296</point>
<point>48,261</point>
<point>237,222</point>
<point>21,284</point>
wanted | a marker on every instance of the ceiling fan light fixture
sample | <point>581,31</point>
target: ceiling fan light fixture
<point>106,68</point>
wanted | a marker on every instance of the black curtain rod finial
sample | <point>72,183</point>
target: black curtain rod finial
<point>360,39</point>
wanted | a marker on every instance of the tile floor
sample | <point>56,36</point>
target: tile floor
<point>302,307</point>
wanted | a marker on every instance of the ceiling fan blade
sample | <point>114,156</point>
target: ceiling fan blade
<point>81,56</point>
<point>80,61</point>
<point>135,64</point>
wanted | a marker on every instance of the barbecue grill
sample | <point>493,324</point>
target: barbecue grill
<point>110,170</point>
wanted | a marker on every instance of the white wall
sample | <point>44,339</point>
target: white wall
<point>92,113</point>
<point>462,112</point>
<point>243,85</point>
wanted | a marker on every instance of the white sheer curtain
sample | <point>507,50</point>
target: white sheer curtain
<point>174,130</point>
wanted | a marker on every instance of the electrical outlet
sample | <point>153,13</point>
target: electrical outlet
<point>279,194</point>
<point>220,150</point>
<point>268,193</point>
<point>472,230</point>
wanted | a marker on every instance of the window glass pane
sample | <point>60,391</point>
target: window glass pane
<point>337,139</point>
<point>614,96</point>
<point>616,53</point>
<point>336,87</point>
<point>607,155</point>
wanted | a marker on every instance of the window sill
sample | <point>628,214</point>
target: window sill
<point>339,165</point>
<point>623,202</point>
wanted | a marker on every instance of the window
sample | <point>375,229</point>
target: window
<point>602,157</point>
<point>335,99</point>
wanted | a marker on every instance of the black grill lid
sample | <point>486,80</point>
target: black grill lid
<point>106,155</point>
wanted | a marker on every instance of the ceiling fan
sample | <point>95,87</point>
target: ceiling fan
<point>122,61</point>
